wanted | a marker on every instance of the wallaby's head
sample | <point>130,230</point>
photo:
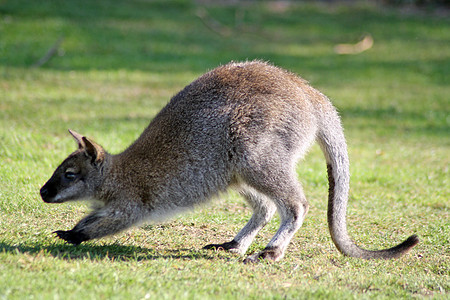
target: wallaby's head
<point>79,175</point>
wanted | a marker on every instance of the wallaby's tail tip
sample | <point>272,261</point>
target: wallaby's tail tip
<point>411,241</point>
<point>407,245</point>
<point>391,253</point>
<point>402,248</point>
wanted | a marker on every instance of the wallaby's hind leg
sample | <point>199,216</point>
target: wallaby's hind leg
<point>292,206</point>
<point>263,210</point>
<point>102,222</point>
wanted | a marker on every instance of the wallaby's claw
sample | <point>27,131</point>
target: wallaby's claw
<point>225,246</point>
<point>72,237</point>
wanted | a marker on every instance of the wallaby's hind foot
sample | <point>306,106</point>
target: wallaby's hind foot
<point>268,254</point>
<point>263,210</point>
<point>72,237</point>
<point>231,246</point>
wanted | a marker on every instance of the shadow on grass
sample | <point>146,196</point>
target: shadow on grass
<point>111,252</point>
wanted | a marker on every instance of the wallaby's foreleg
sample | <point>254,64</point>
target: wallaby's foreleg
<point>292,207</point>
<point>102,222</point>
<point>263,210</point>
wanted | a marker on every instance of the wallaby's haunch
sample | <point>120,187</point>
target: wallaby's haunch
<point>242,125</point>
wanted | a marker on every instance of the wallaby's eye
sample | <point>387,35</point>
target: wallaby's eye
<point>70,175</point>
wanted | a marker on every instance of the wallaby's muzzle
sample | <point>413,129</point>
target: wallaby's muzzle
<point>47,194</point>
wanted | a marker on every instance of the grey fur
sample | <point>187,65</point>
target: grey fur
<point>242,125</point>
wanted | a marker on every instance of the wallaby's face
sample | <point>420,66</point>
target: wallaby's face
<point>78,176</point>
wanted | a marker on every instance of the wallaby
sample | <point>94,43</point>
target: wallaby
<point>241,125</point>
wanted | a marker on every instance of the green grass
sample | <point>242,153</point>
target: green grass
<point>120,62</point>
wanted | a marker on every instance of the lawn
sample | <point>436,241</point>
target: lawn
<point>117,65</point>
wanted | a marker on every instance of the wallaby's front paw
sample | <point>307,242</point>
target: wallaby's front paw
<point>225,246</point>
<point>266,254</point>
<point>72,237</point>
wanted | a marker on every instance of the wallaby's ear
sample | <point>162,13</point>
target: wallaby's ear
<point>78,138</point>
<point>94,150</point>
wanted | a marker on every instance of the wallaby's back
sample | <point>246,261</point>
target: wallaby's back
<point>209,129</point>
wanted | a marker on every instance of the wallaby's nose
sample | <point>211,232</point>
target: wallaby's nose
<point>47,193</point>
<point>44,192</point>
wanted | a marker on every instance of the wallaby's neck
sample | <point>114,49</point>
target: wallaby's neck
<point>110,180</point>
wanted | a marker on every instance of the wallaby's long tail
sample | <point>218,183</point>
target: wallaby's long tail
<point>332,141</point>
